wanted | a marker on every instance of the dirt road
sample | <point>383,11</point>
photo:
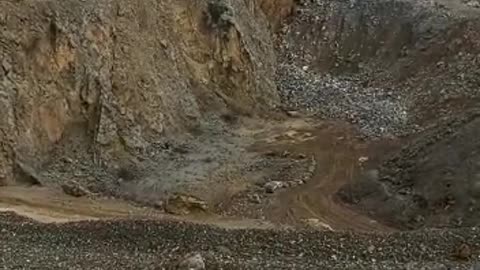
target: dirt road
<point>338,154</point>
<point>334,146</point>
<point>49,205</point>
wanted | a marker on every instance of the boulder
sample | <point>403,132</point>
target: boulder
<point>272,186</point>
<point>192,262</point>
<point>74,189</point>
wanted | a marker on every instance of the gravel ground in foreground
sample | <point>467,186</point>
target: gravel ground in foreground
<point>135,244</point>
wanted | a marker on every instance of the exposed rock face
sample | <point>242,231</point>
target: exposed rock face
<point>109,78</point>
<point>277,10</point>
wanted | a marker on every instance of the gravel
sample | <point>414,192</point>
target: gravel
<point>308,80</point>
<point>338,63</point>
<point>375,111</point>
<point>136,244</point>
<point>144,244</point>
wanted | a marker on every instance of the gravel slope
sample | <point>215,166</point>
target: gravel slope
<point>134,244</point>
<point>375,111</point>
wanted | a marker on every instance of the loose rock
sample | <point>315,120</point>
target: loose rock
<point>184,205</point>
<point>192,262</point>
<point>74,189</point>
<point>272,186</point>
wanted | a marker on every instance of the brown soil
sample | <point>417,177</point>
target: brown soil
<point>334,146</point>
<point>337,152</point>
<point>48,205</point>
<point>214,117</point>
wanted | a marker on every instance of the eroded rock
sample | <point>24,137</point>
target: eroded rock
<point>87,78</point>
<point>317,224</point>
<point>73,188</point>
<point>184,205</point>
<point>273,186</point>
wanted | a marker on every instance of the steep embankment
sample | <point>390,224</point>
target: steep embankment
<point>94,90</point>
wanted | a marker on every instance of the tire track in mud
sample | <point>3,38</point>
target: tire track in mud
<point>334,147</point>
<point>337,154</point>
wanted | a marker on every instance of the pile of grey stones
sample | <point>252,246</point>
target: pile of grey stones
<point>376,112</point>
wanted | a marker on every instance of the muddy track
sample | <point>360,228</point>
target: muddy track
<point>337,153</point>
<point>52,206</point>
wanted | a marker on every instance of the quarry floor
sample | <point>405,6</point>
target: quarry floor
<point>285,231</point>
<point>337,152</point>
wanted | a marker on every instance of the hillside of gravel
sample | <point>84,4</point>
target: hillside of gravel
<point>129,244</point>
<point>390,68</point>
<point>395,70</point>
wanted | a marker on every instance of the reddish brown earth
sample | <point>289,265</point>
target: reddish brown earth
<point>337,152</point>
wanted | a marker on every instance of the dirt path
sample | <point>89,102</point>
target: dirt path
<point>337,153</point>
<point>48,205</point>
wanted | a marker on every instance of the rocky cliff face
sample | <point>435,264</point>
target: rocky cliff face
<point>107,79</point>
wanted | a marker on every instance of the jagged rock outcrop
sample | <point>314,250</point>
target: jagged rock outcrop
<point>109,78</point>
